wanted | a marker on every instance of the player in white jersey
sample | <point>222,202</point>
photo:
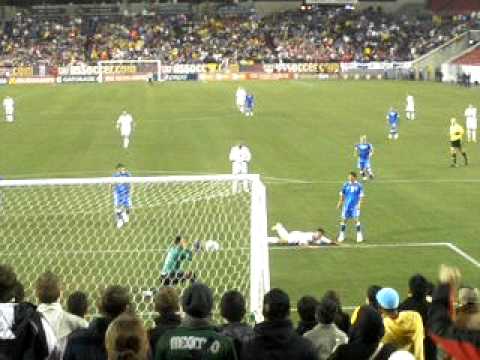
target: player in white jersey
<point>240,156</point>
<point>301,238</point>
<point>9,109</point>
<point>240,97</point>
<point>471,123</point>
<point>125,125</point>
<point>410,108</point>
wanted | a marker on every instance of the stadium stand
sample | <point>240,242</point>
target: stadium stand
<point>321,35</point>
<point>471,58</point>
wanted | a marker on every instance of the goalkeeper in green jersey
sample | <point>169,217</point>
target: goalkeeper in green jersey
<point>172,272</point>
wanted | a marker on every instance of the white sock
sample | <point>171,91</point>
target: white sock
<point>359,236</point>
<point>125,142</point>
<point>341,236</point>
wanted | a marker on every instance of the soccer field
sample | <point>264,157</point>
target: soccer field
<point>301,138</point>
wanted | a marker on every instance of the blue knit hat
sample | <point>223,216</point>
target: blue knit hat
<point>388,299</point>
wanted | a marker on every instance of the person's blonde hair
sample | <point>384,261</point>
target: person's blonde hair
<point>126,339</point>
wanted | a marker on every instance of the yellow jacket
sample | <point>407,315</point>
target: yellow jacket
<point>406,332</point>
<point>456,132</point>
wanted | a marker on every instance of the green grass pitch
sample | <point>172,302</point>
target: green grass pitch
<point>301,138</point>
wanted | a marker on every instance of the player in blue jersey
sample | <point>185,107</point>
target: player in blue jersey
<point>122,197</point>
<point>350,201</point>
<point>364,151</point>
<point>393,120</point>
<point>249,104</point>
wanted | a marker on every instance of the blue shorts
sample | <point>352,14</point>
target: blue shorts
<point>122,201</point>
<point>350,213</point>
<point>364,164</point>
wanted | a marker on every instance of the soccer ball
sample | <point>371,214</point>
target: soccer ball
<point>212,246</point>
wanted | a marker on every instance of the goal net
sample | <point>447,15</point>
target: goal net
<point>68,226</point>
<point>121,70</point>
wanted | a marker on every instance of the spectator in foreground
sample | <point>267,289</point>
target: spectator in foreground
<point>89,343</point>
<point>417,301</point>
<point>48,292</point>
<point>233,309</point>
<point>275,338</point>
<point>461,344</point>
<point>19,292</point>
<point>404,329</point>
<point>366,344</point>
<point>167,306</point>
<point>326,336</point>
<point>197,303</point>
<point>371,300</point>
<point>38,341</point>
<point>126,339</point>
<point>468,312</point>
<point>77,304</point>
<point>306,308</point>
<point>342,319</point>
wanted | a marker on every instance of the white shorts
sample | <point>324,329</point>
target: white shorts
<point>125,133</point>
<point>240,102</point>
<point>239,167</point>
<point>9,111</point>
<point>410,109</point>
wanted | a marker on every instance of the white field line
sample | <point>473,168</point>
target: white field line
<point>363,246</point>
<point>267,179</point>
<point>464,254</point>
<point>448,245</point>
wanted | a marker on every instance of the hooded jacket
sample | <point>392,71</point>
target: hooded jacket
<point>277,340</point>
<point>61,322</point>
<point>406,332</point>
<point>365,337</point>
<point>25,334</point>
<point>89,343</point>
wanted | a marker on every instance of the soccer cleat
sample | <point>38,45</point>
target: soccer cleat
<point>341,237</point>
<point>119,223</point>
<point>359,237</point>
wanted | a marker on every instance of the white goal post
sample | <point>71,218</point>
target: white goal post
<point>68,226</point>
<point>135,69</point>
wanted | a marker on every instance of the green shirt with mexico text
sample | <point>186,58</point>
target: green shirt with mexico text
<point>202,343</point>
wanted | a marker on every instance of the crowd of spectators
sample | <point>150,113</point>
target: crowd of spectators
<point>320,35</point>
<point>427,324</point>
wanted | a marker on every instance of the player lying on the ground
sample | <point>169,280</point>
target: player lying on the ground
<point>122,199</point>
<point>125,125</point>
<point>350,201</point>
<point>364,151</point>
<point>456,135</point>
<point>172,272</point>
<point>9,109</point>
<point>302,238</point>
<point>393,120</point>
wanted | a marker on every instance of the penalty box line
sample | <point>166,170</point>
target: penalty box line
<point>448,245</point>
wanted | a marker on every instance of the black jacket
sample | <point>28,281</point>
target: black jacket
<point>304,326</point>
<point>241,333</point>
<point>22,335</point>
<point>162,324</point>
<point>277,340</point>
<point>89,343</point>
<point>461,344</point>
<point>421,306</point>
<point>365,336</point>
